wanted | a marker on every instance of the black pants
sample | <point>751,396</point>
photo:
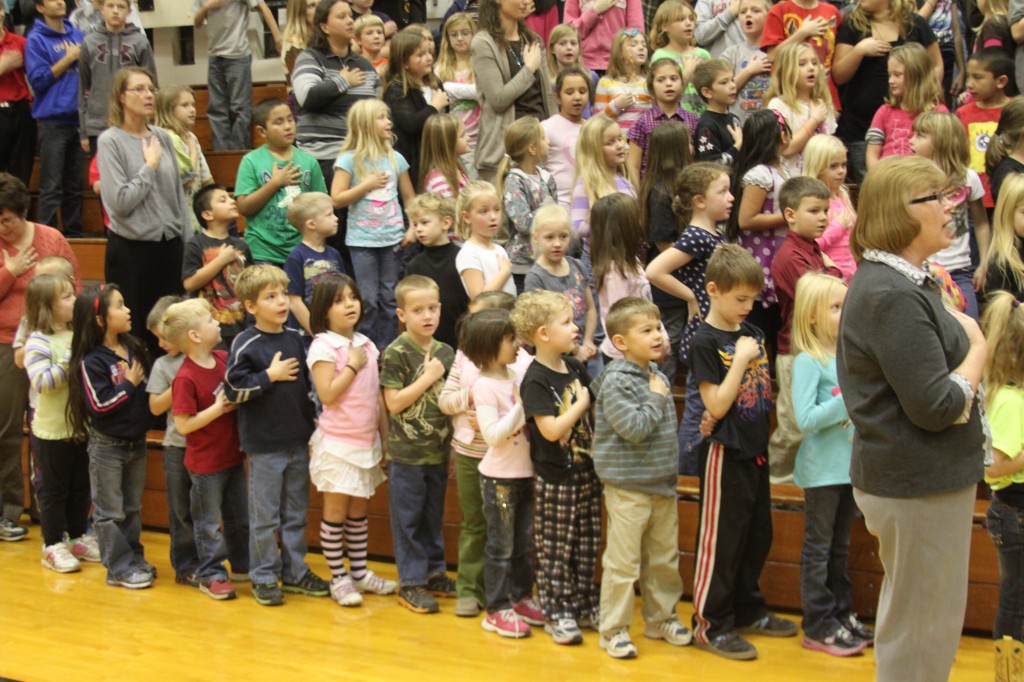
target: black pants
<point>17,139</point>
<point>733,539</point>
<point>145,271</point>
<point>64,498</point>
<point>338,240</point>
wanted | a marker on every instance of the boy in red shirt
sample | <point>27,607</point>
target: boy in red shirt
<point>989,72</point>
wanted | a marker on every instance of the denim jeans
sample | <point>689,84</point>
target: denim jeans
<point>508,508</point>
<point>117,473</point>
<point>963,278</point>
<point>1005,524</point>
<point>674,319</point>
<point>689,428</point>
<point>824,575</point>
<point>184,555</point>
<point>230,104</point>
<point>278,499</point>
<point>857,161</point>
<point>217,497</point>
<point>377,271</point>
<point>416,506</point>
<point>62,166</point>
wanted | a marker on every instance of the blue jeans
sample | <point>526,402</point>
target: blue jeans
<point>416,506</point>
<point>184,556</point>
<point>278,499</point>
<point>689,428</point>
<point>508,509</point>
<point>857,161</point>
<point>230,104</point>
<point>217,497</point>
<point>824,575</point>
<point>117,473</point>
<point>962,277</point>
<point>377,271</point>
<point>61,172</point>
<point>1006,528</point>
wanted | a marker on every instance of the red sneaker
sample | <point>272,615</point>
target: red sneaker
<point>529,610</point>
<point>218,589</point>
<point>506,623</point>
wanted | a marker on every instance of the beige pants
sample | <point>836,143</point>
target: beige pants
<point>643,544</point>
<point>924,544</point>
<point>786,438</point>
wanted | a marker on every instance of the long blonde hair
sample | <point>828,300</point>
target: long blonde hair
<point>1004,249</point>
<point>670,11</point>
<point>166,100</point>
<point>814,292</point>
<point>446,58</point>
<point>440,133</point>
<point>902,12</point>
<point>296,31</point>
<point>362,139</point>
<point>818,155</point>
<point>786,71</point>
<point>1003,323</point>
<point>617,60</point>
<point>950,150</point>
<point>598,179</point>
<point>921,88</point>
<point>558,33</point>
<point>520,135</point>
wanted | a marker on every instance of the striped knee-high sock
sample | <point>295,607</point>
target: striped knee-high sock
<point>333,547</point>
<point>357,532</point>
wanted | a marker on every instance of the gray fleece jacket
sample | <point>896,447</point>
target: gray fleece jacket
<point>103,53</point>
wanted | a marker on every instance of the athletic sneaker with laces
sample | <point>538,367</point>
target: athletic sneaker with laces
<point>267,594</point>
<point>344,591</point>
<point>528,609</point>
<point>840,642</point>
<point>590,621</point>
<point>671,630</point>
<point>771,626</point>
<point>506,623</point>
<point>417,599</point>
<point>310,585</point>
<point>220,590</point>
<point>132,580</point>
<point>11,531</point>
<point>564,631</point>
<point>619,644</point>
<point>190,578</point>
<point>440,585</point>
<point>85,548</point>
<point>374,584</point>
<point>57,557</point>
<point>858,629</point>
<point>729,645</point>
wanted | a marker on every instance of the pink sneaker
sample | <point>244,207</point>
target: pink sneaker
<point>529,610</point>
<point>506,623</point>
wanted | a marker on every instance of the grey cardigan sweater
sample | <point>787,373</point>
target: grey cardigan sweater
<point>916,434</point>
<point>498,92</point>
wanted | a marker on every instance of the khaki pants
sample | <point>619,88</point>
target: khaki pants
<point>786,438</point>
<point>643,533</point>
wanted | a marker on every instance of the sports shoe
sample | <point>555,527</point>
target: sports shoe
<point>344,591</point>
<point>310,585</point>
<point>528,609</point>
<point>564,631</point>
<point>858,629</point>
<point>374,584</point>
<point>218,589</point>
<point>440,585</point>
<point>467,607</point>
<point>417,599</point>
<point>57,557</point>
<point>11,532</point>
<point>132,580</point>
<point>590,622</point>
<point>671,630</point>
<point>839,643</point>
<point>771,626</point>
<point>729,645</point>
<point>237,577</point>
<point>187,578</point>
<point>267,594</point>
<point>618,644</point>
<point>506,623</point>
<point>85,548</point>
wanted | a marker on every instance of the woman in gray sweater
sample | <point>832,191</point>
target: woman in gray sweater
<point>910,370</point>
<point>144,199</point>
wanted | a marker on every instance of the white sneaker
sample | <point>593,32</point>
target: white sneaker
<point>344,592</point>
<point>671,630</point>
<point>374,584</point>
<point>85,548</point>
<point>57,557</point>
<point>618,644</point>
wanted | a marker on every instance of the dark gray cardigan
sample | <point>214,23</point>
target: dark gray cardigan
<point>897,348</point>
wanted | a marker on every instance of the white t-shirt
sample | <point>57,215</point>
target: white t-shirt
<point>796,120</point>
<point>957,256</point>
<point>472,256</point>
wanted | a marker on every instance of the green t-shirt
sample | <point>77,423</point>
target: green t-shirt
<point>1006,419</point>
<point>692,101</point>
<point>421,433</point>
<point>268,233</point>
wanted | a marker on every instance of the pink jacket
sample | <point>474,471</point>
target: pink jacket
<point>598,30</point>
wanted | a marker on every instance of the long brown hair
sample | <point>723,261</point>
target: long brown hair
<point>115,115</point>
<point>489,19</point>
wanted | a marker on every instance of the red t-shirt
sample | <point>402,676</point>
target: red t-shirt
<point>215,447</point>
<point>785,19</point>
<point>980,125</point>
<point>13,86</point>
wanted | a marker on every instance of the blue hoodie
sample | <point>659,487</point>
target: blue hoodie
<point>56,99</point>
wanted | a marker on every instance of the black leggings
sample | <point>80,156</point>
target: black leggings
<point>64,496</point>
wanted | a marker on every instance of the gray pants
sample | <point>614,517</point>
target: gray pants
<point>230,104</point>
<point>13,401</point>
<point>924,544</point>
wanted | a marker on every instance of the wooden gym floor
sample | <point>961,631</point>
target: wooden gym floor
<point>57,627</point>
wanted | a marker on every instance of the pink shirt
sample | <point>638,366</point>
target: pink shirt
<point>835,242</point>
<point>503,425</point>
<point>892,128</point>
<point>598,30</point>
<point>353,418</point>
<point>616,287</point>
<point>47,242</point>
<point>562,135</point>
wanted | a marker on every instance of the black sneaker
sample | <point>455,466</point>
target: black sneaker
<point>310,585</point>
<point>440,585</point>
<point>187,578</point>
<point>417,599</point>
<point>730,645</point>
<point>268,594</point>
<point>839,643</point>
<point>857,628</point>
<point>771,626</point>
